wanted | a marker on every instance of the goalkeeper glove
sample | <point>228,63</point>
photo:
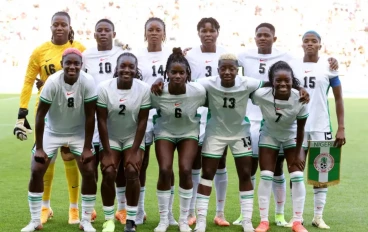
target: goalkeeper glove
<point>22,127</point>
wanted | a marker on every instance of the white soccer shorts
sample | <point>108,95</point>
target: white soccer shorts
<point>213,147</point>
<point>123,144</point>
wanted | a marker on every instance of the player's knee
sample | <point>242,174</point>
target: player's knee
<point>185,172</point>
<point>208,173</point>
<point>66,155</point>
<point>131,173</point>
<point>222,163</point>
<point>165,173</point>
<point>244,174</point>
<point>37,172</point>
<point>88,172</point>
<point>109,174</point>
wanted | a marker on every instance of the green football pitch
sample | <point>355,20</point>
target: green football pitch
<point>346,208</point>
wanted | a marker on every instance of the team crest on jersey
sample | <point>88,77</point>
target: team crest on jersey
<point>324,162</point>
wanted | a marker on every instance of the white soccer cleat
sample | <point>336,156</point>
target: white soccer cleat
<point>291,222</point>
<point>172,221</point>
<point>319,223</point>
<point>238,222</point>
<point>247,226</point>
<point>162,227</point>
<point>201,224</point>
<point>86,226</point>
<point>32,226</point>
<point>184,227</point>
<point>140,218</point>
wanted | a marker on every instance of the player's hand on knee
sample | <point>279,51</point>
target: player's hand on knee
<point>22,127</point>
<point>157,87</point>
<point>87,156</point>
<point>340,137</point>
<point>304,96</point>
<point>40,156</point>
<point>298,163</point>
<point>107,160</point>
<point>134,159</point>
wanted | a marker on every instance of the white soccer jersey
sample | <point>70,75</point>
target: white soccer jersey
<point>101,64</point>
<point>203,64</point>
<point>152,64</point>
<point>257,65</point>
<point>177,114</point>
<point>227,106</point>
<point>123,106</point>
<point>279,116</point>
<point>66,113</point>
<point>316,80</point>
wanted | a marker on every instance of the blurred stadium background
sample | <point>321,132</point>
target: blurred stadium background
<point>342,24</point>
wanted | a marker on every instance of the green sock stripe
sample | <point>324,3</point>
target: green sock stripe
<point>121,192</point>
<point>34,198</point>
<point>247,196</point>
<point>131,213</point>
<point>267,178</point>
<point>221,173</point>
<point>89,199</point>
<point>297,179</point>
<point>165,191</point>
<point>109,212</point>
<point>279,181</point>
<point>320,192</point>
<point>203,198</point>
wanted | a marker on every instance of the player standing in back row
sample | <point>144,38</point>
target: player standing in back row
<point>317,79</point>
<point>203,62</point>
<point>65,117</point>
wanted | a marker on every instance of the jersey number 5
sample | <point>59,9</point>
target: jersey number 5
<point>232,103</point>
<point>262,68</point>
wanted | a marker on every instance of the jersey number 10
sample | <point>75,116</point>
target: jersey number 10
<point>107,68</point>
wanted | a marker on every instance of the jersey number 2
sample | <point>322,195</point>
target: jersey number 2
<point>122,107</point>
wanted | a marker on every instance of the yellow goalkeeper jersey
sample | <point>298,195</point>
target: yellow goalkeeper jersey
<point>44,61</point>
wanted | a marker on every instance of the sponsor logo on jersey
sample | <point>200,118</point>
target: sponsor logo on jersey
<point>155,61</point>
<point>102,59</point>
<point>278,108</point>
<point>177,104</point>
<point>122,99</point>
<point>208,61</point>
<point>308,71</point>
<point>262,60</point>
<point>68,94</point>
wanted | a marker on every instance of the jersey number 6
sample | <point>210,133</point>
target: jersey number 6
<point>177,113</point>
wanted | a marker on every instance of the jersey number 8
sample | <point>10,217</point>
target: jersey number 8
<point>71,102</point>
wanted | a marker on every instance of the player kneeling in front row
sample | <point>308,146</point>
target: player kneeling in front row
<point>122,110</point>
<point>176,126</point>
<point>65,117</point>
<point>280,108</point>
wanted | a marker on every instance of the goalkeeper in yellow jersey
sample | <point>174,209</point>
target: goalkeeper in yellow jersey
<point>44,61</point>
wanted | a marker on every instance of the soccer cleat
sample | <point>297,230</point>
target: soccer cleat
<point>46,214</point>
<point>290,223</point>
<point>201,224</point>
<point>298,227</point>
<point>33,226</point>
<point>263,226</point>
<point>172,221</point>
<point>220,220</point>
<point>247,226</point>
<point>86,226</point>
<point>93,215</point>
<point>141,218</point>
<point>108,226</point>
<point>280,220</point>
<point>121,216</point>
<point>162,227</point>
<point>191,219</point>
<point>184,227</point>
<point>319,223</point>
<point>130,226</point>
<point>238,222</point>
<point>73,216</point>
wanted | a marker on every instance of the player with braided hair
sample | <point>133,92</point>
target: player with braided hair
<point>65,117</point>
<point>122,111</point>
<point>176,126</point>
<point>45,61</point>
<point>284,118</point>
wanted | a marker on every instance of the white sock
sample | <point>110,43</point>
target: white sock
<point>142,195</point>
<point>297,180</point>
<point>120,197</point>
<point>108,212</point>
<point>35,205</point>
<point>246,204</point>
<point>196,177</point>
<point>185,196</point>
<point>202,205</point>
<point>264,193</point>
<point>163,198</point>
<point>221,187</point>
<point>131,212</point>
<point>171,202</point>
<point>279,193</point>
<point>46,204</point>
<point>73,206</point>
<point>88,204</point>
<point>320,196</point>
